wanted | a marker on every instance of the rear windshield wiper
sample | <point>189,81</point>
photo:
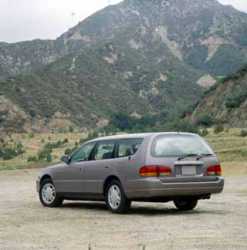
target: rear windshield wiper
<point>188,155</point>
<point>198,156</point>
<point>203,155</point>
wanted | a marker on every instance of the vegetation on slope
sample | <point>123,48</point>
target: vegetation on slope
<point>226,102</point>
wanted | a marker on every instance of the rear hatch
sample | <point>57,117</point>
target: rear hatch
<point>187,156</point>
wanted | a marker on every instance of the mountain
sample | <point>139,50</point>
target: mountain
<point>226,102</point>
<point>141,57</point>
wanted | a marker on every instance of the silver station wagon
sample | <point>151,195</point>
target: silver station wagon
<point>151,167</point>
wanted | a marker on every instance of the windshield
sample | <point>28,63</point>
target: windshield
<point>180,145</point>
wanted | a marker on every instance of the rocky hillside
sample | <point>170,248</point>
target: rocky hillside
<point>140,57</point>
<point>226,102</point>
<point>24,57</point>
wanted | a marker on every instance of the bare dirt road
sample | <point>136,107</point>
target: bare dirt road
<point>220,223</point>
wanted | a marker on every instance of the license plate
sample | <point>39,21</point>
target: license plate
<point>189,170</point>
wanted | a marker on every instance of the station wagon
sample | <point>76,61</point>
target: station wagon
<point>149,167</point>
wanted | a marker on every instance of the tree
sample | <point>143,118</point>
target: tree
<point>205,120</point>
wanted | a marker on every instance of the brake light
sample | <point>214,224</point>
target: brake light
<point>154,171</point>
<point>214,170</point>
<point>164,171</point>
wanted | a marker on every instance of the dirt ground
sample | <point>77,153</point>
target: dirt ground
<point>219,223</point>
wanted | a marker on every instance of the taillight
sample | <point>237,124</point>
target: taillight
<point>214,170</point>
<point>164,171</point>
<point>154,171</point>
<point>148,171</point>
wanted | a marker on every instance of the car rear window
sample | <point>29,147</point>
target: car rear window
<point>179,145</point>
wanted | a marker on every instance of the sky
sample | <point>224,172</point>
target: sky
<point>22,20</point>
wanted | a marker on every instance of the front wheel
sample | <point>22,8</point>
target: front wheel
<point>47,194</point>
<point>185,204</point>
<point>116,199</point>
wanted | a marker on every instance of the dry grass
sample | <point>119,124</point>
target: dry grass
<point>229,145</point>
<point>234,168</point>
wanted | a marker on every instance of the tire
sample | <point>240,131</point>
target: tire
<point>116,199</point>
<point>185,204</point>
<point>47,194</point>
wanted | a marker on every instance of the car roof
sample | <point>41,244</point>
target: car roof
<point>138,135</point>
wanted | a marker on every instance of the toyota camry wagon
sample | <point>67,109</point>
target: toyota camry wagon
<point>150,167</point>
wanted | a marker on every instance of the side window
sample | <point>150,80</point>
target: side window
<point>83,153</point>
<point>104,151</point>
<point>128,147</point>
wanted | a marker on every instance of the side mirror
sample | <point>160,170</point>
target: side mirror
<point>65,159</point>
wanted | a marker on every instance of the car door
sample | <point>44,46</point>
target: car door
<point>69,179</point>
<point>99,167</point>
<point>127,162</point>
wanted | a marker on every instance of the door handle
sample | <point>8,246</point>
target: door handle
<point>106,167</point>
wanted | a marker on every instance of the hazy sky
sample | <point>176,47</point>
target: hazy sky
<point>47,19</point>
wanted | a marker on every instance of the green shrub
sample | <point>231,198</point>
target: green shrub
<point>205,120</point>
<point>227,130</point>
<point>10,152</point>
<point>204,132</point>
<point>19,148</point>
<point>235,99</point>
<point>182,126</point>
<point>68,151</point>
<point>52,145</point>
<point>31,135</point>
<point>243,153</point>
<point>218,129</point>
<point>243,133</point>
<point>123,122</point>
<point>44,153</point>
<point>71,129</point>
<point>32,159</point>
<point>65,141</point>
<point>49,158</point>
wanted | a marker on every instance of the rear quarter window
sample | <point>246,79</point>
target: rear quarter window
<point>128,147</point>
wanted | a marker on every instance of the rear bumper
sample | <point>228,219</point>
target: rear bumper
<point>174,187</point>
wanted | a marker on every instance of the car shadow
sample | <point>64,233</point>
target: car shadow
<point>151,211</point>
<point>85,205</point>
<point>143,210</point>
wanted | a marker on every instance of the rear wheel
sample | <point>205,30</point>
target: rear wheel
<point>47,194</point>
<point>185,204</point>
<point>116,199</point>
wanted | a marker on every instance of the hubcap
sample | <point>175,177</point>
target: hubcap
<point>114,196</point>
<point>48,193</point>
